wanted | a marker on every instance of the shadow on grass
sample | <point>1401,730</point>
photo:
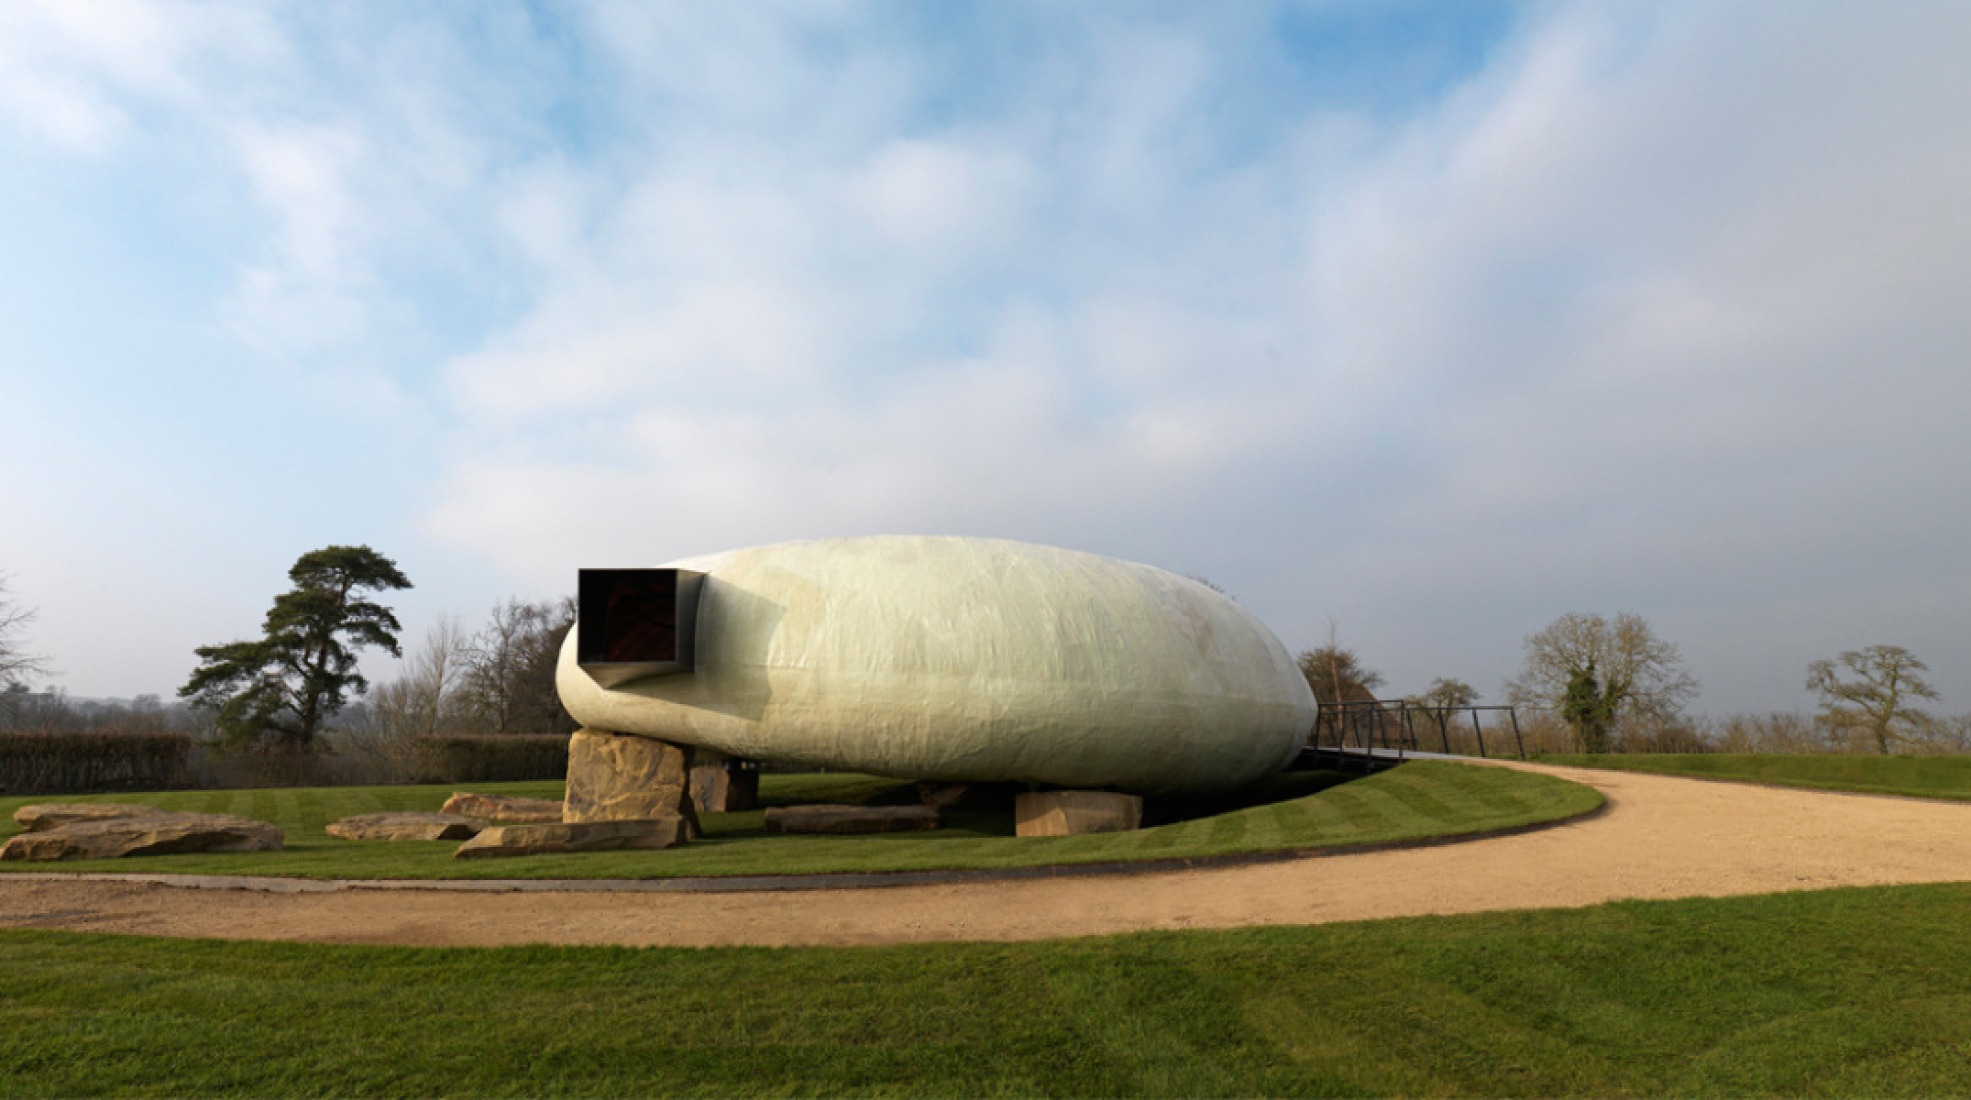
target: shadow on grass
<point>986,809</point>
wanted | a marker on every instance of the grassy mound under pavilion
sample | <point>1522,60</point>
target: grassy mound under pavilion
<point>1291,812</point>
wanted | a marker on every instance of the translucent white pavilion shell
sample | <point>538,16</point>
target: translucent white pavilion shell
<point>968,659</point>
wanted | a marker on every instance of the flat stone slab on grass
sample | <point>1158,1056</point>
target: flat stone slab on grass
<point>573,836</point>
<point>831,818</point>
<point>155,833</point>
<point>43,816</point>
<point>496,807</point>
<point>406,826</point>
<point>1074,813</point>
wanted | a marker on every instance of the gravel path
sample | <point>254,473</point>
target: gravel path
<point>1660,837</point>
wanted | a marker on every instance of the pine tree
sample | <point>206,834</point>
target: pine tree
<point>283,687</point>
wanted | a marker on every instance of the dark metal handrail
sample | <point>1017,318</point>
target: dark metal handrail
<point>1390,724</point>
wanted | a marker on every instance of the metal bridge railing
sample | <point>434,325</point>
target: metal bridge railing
<point>1391,725</point>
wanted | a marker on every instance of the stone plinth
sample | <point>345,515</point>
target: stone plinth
<point>721,786</point>
<point>585,836</point>
<point>829,818</point>
<point>405,826</point>
<point>614,777</point>
<point>43,816</point>
<point>151,834</point>
<point>1072,813</point>
<point>496,807</point>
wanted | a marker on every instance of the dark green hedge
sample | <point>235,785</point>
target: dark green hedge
<point>68,762</point>
<point>491,758</point>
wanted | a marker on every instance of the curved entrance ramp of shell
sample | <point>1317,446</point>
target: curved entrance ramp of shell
<point>943,659</point>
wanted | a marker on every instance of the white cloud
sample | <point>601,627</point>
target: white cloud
<point>782,328</point>
<point>342,153</point>
<point>1680,298</point>
<point>302,174</point>
<point>1658,309</point>
<point>75,71</point>
<point>1641,305</point>
<point>939,201</point>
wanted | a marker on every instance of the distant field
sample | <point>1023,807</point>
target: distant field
<point>1860,992</point>
<point>1919,776</point>
<point>1301,810</point>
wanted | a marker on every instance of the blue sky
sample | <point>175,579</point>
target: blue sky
<point>1434,321</point>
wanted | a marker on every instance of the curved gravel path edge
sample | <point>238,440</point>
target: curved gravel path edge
<point>1655,837</point>
<point>745,884</point>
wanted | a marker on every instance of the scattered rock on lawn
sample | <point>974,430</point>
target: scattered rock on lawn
<point>53,815</point>
<point>720,786</point>
<point>496,807</point>
<point>573,836</point>
<point>406,826</point>
<point>829,818</point>
<point>1072,813</point>
<point>153,834</point>
<point>617,777</point>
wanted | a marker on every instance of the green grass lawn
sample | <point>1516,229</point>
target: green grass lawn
<point>1920,776</point>
<point>1300,810</point>
<point>1842,993</point>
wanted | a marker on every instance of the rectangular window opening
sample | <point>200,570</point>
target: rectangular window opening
<point>636,623</point>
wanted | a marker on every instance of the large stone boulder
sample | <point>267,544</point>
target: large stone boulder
<point>43,816</point>
<point>496,807</point>
<point>831,818</point>
<point>583,836</point>
<point>1072,813</point>
<point>153,834</point>
<point>721,786</point>
<point>406,826</point>
<point>615,777</point>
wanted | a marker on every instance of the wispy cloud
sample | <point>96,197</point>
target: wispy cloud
<point>87,73</point>
<point>1616,317</point>
<point>1650,307</point>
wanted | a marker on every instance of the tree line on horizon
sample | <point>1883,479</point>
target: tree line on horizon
<point>1614,685</point>
<point>1606,684</point>
<point>293,685</point>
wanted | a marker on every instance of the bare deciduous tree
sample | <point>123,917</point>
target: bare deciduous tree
<point>1640,678</point>
<point>1446,694</point>
<point>494,663</point>
<point>1949,735</point>
<point>538,708</point>
<point>1775,732</point>
<point>509,676</point>
<point>428,699</point>
<point>1873,689</point>
<point>1337,675</point>
<point>17,665</point>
